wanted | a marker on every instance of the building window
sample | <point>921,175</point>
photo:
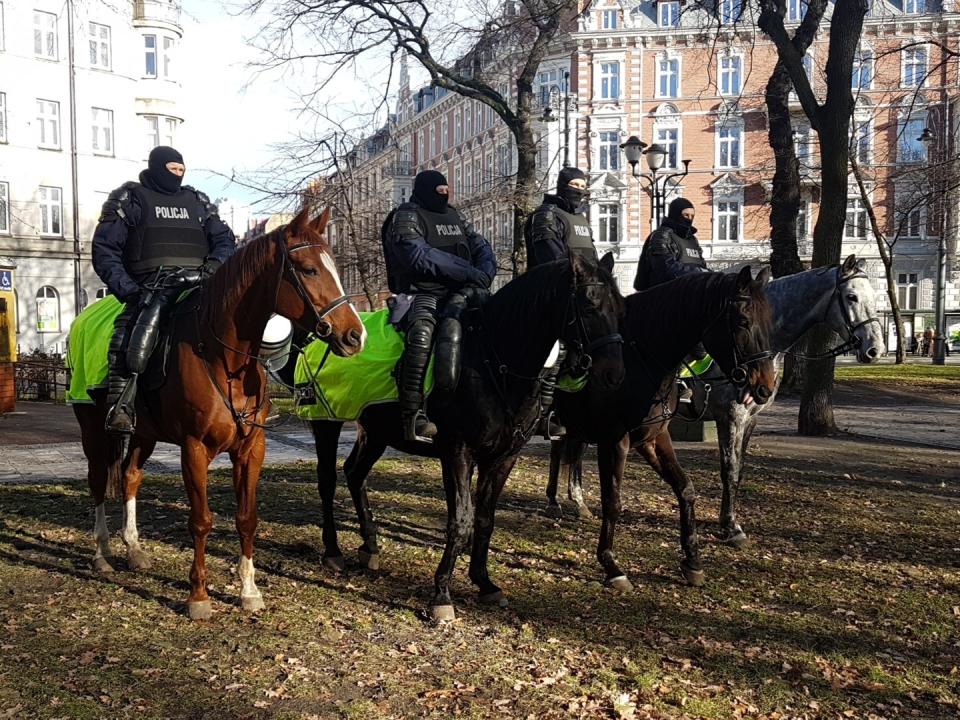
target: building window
<point>862,70</point>
<point>728,141</point>
<point>4,207</point>
<point>489,168</point>
<point>444,130</point>
<point>727,219</point>
<point>608,223</point>
<point>477,175</point>
<point>169,131</point>
<point>909,147</point>
<point>48,121</point>
<point>668,77</point>
<point>862,137</point>
<point>856,225</point>
<point>669,138</point>
<point>479,112</point>
<point>168,45</point>
<point>609,80</point>
<point>907,290</point>
<point>48,309</point>
<point>730,11</point>
<point>153,131</point>
<point>1,27</point>
<point>730,75</point>
<point>796,9</point>
<point>668,14</point>
<point>45,35</point>
<point>3,117</point>
<point>457,129</point>
<point>610,150</point>
<point>102,131</point>
<point>458,182</point>
<point>546,80</point>
<point>99,46</point>
<point>914,7</point>
<point>912,223</point>
<point>102,293</point>
<point>51,211</point>
<point>914,67</point>
<point>433,140</point>
<point>468,122</point>
<point>609,19</point>
<point>150,55</point>
<point>803,219</point>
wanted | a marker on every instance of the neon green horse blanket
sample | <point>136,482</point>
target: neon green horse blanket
<point>699,367</point>
<point>343,387</point>
<point>90,335</point>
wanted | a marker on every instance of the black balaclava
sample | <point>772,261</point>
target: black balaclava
<point>156,176</point>
<point>574,196</point>
<point>425,191</point>
<point>676,220</point>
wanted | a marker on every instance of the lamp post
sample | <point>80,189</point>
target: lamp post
<point>928,138</point>
<point>548,116</point>
<point>656,155</point>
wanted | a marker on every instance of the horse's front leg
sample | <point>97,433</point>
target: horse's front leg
<point>326,436</point>
<point>140,451</point>
<point>457,466</point>
<point>247,462</point>
<point>366,451</point>
<point>99,449</point>
<point>734,425</point>
<point>573,464</point>
<point>554,509</point>
<point>611,460</point>
<point>670,470</point>
<point>490,482</point>
<point>194,462</point>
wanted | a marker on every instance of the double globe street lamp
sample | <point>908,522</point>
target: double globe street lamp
<point>929,139</point>
<point>557,92</point>
<point>657,183</point>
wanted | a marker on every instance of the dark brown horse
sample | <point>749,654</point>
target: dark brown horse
<point>215,399</point>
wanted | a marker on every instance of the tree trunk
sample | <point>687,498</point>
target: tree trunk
<point>525,187</point>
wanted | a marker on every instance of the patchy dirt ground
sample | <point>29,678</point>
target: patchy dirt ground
<point>846,604</point>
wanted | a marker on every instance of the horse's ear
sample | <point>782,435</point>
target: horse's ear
<point>300,220</point>
<point>606,262</point>
<point>849,265</point>
<point>744,278</point>
<point>763,277</point>
<point>319,224</point>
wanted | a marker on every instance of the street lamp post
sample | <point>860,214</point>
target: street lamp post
<point>657,184</point>
<point>928,138</point>
<point>548,116</point>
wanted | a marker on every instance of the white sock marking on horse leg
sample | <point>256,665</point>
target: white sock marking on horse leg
<point>129,532</point>
<point>331,267</point>
<point>101,533</point>
<point>246,571</point>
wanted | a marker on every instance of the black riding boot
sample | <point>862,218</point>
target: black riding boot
<point>421,322</point>
<point>550,426</point>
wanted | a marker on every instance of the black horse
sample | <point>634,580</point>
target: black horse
<point>491,414</point>
<point>729,312</point>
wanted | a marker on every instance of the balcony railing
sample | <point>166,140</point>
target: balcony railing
<point>401,168</point>
<point>166,11</point>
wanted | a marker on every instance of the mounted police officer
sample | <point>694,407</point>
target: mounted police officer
<point>433,257</point>
<point>154,239</point>
<point>556,229</point>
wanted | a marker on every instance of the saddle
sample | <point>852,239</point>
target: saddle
<point>155,376</point>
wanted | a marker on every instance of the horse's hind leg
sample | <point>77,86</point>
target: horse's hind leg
<point>554,509</point>
<point>140,450</point>
<point>734,428</point>
<point>356,469</point>
<point>326,437</point>
<point>97,449</point>
<point>573,466</point>
<point>457,467</point>
<point>246,474</point>
<point>611,460</point>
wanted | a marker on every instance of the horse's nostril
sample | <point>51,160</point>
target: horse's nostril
<point>763,392</point>
<point>872,352</point>
<point>353,338</point>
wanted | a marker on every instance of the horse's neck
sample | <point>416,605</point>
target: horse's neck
<point>797,303</point>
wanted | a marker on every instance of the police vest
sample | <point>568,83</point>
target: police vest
<point>576,233</point>
<point>444,231</point>
<point>170,232</point>
<point>690,252</point>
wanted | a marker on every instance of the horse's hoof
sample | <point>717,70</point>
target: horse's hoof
<point>494,598</point>
<point>199,609</point>
<point>137,560</point>
<point>553,510</point>
<point>694,578</point>
<point>334,563</point>
<point>737,540</point>
<point>442,613</point>
<point>582,512</point>
<point>101,565</point>
<point>620,584</point>
<point>371,561</point>
<point>252,603</point>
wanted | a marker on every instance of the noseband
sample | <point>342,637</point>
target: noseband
<point>322,328</point>
<point>739,375</point>
<point>584,345</point>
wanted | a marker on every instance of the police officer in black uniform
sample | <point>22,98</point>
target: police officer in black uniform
<point>433,255</point>
<point>556,227</point>
<point>672,250</point>
<point>154,239</point>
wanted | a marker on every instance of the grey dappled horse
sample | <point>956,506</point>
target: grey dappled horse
<point>842,298</point>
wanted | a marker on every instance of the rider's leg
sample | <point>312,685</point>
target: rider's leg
<point>550,426</point>
<point>446,367</point>
<point>421,322</point>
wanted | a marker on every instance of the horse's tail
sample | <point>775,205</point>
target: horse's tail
<point>116,445</point>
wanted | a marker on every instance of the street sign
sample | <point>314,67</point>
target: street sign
<point>6,279</point>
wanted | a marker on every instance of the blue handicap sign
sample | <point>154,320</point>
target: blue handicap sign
<point>6,279</point>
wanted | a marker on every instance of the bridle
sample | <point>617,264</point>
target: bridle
<point>739,374</point>
<point>584,345</point>
<point>322,328</point>
<point>853,341</point>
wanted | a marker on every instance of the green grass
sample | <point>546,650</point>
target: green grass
<point>844,606</point>
<point>926,373</point>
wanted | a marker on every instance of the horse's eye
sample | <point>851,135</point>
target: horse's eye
<point>852,298</point>
<point>743,323</point>
<point>309,271</point>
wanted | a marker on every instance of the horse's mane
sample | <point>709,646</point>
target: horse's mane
<point>525,295</point>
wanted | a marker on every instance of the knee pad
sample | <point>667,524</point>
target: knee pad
<point>446,370</point>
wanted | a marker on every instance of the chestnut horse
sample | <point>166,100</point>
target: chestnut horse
<point>215,399</point>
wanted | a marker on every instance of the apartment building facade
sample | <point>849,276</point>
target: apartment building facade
<point>65,142</point>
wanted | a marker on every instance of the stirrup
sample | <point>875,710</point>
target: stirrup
<point>551,429</point>
<point>418,428</point>
<point>121,420</point>
<point>684,393</point>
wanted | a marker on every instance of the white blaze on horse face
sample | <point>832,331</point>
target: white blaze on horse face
<point>246,571</point>
<point>331,267</point>
<point>129,532</point>
<point>101,533</point>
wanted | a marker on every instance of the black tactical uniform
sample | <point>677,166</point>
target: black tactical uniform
<point>154,239</point>
<point>556,228</point>
<point>432,255</point>
<point>671,250</point>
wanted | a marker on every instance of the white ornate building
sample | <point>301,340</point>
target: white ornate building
<point>70,132</point>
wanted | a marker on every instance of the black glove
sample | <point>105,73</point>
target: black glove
<point>480,279</point>
<point>209,268</point>
<point>133,299</point>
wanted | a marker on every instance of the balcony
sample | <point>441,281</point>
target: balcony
<point>401,168</point>
<point>153,12</point>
